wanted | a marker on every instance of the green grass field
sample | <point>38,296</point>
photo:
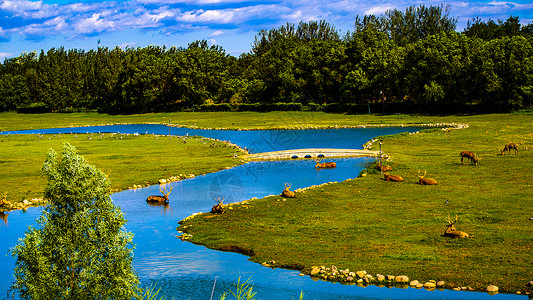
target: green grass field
<point>395,228</point>
<point>126,159</point>
<point>362,224</point>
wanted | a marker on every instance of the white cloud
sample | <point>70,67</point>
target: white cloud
<point>216,33</point>
<point>205,16</point>
<point>20,7</point>
<point>378,10</point>
<point>93,24</point>
<point>57,23</point>
<point>4,55</point>
<point>124,45</point>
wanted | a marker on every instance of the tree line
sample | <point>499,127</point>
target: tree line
<point>401,61</point>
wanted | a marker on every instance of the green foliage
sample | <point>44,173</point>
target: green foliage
<point>414,58</point>
<point>79,249</point>
<point>243,291</point>
<point>150,293</point>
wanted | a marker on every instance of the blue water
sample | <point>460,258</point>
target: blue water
<point>254,140</point>
<point>187,271</point>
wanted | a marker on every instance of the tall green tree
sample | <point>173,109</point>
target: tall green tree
<point>80,249</point>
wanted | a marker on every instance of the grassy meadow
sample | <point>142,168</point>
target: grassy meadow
<point>395,227</point>
<point>361,224</point>
<point>126,159</point>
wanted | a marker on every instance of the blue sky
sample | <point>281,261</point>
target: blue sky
<point>27,26</point>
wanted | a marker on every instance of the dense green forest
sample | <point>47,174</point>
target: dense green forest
<point>401,61</point>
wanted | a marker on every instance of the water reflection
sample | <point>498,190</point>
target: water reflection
<point>3,216</point>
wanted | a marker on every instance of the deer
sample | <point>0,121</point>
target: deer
<point>452,232</point>
<point>425,181</point>
<point>3,199</point>
<point>156,198</point>
<point>396,178</point>
<point>382,168</point>
<point>287,193</point>
<point>325,165</point>
<point>508,148</point>
<point>219,207</point>
<point>471,156</point>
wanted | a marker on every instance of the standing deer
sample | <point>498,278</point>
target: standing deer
<point>425,181</point>
<point>156,198</point>
<point>326,165</point>
<point>219,207</point>
<point>286,193</point>
<point>452,232</point>
<point>396,178</point>
<point>508,148</point>
<point>469,155</point>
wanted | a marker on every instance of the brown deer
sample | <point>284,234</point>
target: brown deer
<point>286,193</point>
<point>156,198</point>
<point>508,148</point>
<point>382,168</point>
<point>396,178</point>
<point>469,155</point>
<point>3,200</point>
<point>452,232</point>
<point>326,165</point>
<point>219,207</point>
<point>425,181</point>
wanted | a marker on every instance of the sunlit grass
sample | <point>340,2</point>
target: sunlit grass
<point>126,159</point>
<point>395,228</point>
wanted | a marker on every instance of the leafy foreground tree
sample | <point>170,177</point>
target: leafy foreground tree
<point>81,250</point>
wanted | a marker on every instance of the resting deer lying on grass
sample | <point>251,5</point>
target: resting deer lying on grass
<point>382,168</point>
<point>425,181</point>
<point>163,198</point>
<point>469,155</point>
<point>508,148</point>
<point>326,165</point>
<point>388,177</point>
<point>452,232</point>
<point>286,193</point>
<point>219,207</point>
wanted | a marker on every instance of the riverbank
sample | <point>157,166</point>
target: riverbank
<point>129,160</point>
<point>364,224</point>
<point>396,227</point>
<point>230,120</point>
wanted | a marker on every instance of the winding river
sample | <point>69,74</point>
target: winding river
<point>186,271</point>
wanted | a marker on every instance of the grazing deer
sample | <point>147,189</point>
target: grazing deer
<point>382,168</point>
<point>396,178</point>
<point>163,198</point>
<point>452,232</point>
<point>219,207</point>
<point>471,156</point>
<point>286,193</point>
<point>326,165</point>
<point>510,146</point>
<point>425,181</point>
